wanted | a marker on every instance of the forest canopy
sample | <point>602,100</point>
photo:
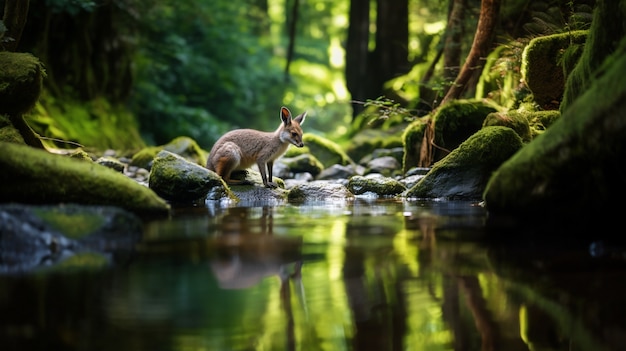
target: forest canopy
<point>200,68</point>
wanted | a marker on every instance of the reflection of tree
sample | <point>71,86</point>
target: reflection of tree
<point>376,299</point>
<point>453,286</point>
<point>478,306</point>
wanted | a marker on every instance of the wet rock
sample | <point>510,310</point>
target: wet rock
<point>179,180</point>
<point>34,237</point>
<point>319,190</point>
<point>259,195</point>
<point>375,184</point>
<point>464,173</point>
<point>35,176</point>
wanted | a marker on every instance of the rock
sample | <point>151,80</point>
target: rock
<point>111,162</point>
<point>41,236</point>
<point>379,185</point>
<point>464,173</point>
<point>319,190</point>
<point>512,119</point>
<point>303,163</point>
<point>21,79</point>
<point>29,175</point>
<point>574,172</point>
<point>338,171</point>
<point>386,166</point>
<point>325,150</point>
<point>179,180</point>
<point>182,146</point>
<point>258,195</point>
<point>542,66</point>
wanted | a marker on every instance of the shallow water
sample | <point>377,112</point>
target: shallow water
<point>360,275</point>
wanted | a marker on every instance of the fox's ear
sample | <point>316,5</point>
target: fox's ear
<point>300,118</point>
<point>285,115</point>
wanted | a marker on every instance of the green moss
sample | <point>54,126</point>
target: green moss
<point>72,225</point>
<point>456,121</point>
<point>21,77</point>
<point>326,151</point>
<point>96,123</point>
<point>545,176</point>
<point>36,176</point>
<point>8,132</point>
<point>542,65</point>
<point>81,261</point>
<point>366,141</point>
<point>606,31</point>
<point>539,121</point>
<point>464,173</point>
<point>412,143</point>
<point>512,119</point>
<point>182,146</point>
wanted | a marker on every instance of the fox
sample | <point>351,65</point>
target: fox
<point>240,149</point>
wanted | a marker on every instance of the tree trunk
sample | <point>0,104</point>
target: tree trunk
<point>15,14</point>
<point>367,71</point>
<point>292,36</point>
<point>452,41</point>
<point>357,52</point>
<point>489,10</point>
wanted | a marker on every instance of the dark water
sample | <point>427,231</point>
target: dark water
<point>363,275</point>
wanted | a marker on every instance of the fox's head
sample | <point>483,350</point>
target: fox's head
<point>290,130</point>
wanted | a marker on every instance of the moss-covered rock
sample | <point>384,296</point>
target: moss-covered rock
<point>35,176</point>
<point>539,121</point>
<point>366,141</point>
<point>379,185</point>
<point>412,143</point>
<point>325,150</point>
<point>303,163</point>
<point>182,146</point>
<point>176,179</point>
<point>8,132</point>
<point>319,191</point>
<point>21,78</point>
<point>512,119</point>
<point>542,66</point>
<point>83,237</point>
<point>456,121</point>
<point>575,170</point>
<point>465,172</point>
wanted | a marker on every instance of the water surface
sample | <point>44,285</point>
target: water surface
<point>361,275</point>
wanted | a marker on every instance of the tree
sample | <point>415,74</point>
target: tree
<point>367,71</point>
<point>481,46</point>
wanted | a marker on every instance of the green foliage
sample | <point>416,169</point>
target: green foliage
<point>71,7</point>
<point>95,124</point>
<point>501,76</point>
<point>550,19</point>
<point>202,68</point>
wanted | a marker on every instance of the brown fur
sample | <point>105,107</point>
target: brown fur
<point>242,148</point>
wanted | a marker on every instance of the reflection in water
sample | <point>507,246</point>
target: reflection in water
<point>362,275</point>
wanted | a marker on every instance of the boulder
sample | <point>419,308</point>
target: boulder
<point>464,173</point>
<point>34,176</point>
<point>178,180</point>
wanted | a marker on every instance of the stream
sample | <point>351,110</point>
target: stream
<point>367,274</point>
